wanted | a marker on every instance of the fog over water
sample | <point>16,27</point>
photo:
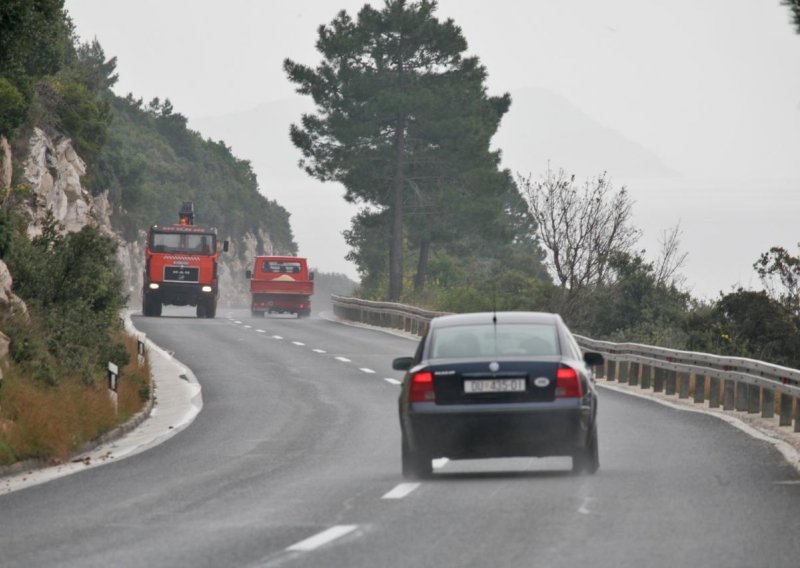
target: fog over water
<point>695,106</point>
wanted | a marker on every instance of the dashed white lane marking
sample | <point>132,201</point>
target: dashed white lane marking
<point>298,343</point>
<point>367,371</point>
<point>319,351</point>
<point>584,508</point>
<point>393,381</point>
<point>324,537</point>
<point>401,491</point>
<point>440,463</point>
<point>277,337</point>
<point>248,327</point>
<point>261,331</point>
<point>236,321</point>
<point>342,359</point>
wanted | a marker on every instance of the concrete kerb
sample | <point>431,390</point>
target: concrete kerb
<point>175,403</point>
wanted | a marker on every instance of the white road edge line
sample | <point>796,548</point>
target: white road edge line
<point>319,351</point>
<point>236,321</point>
<point>277,337</point>
<point>261,331</point>
<point>392,381</point>
<point>584,508</point>
<point>342,359</point>
<point>298,343</point>
<point>322,538</point>
<point>248,327</point>
<point>367,371</point>
<point>401,491</point>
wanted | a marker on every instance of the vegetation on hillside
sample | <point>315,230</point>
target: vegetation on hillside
<point>55,375</point>
<point>53,395</point>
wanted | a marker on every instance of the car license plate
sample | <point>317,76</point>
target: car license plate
<point>494,385</point>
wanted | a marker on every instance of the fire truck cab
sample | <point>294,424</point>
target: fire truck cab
<point>181,267</point>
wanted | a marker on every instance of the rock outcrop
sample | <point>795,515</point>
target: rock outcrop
<point>53,171</point>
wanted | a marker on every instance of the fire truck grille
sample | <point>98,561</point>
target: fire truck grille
<point>181,274</point>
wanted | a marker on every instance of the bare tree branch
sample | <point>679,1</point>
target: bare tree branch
<point>579,227</point>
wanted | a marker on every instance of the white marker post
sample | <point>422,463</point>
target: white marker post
<point>113,374</point>
<point>140,350</point>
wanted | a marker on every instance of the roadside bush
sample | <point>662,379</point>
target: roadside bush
<point>73,286</point>
<point>13,107</point>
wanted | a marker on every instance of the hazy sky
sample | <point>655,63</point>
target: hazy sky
<point>712,87</point>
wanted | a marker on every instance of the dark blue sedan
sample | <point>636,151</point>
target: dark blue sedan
<point>505,384</point>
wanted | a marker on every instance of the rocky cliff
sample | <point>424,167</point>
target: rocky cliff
<point>52,170</point>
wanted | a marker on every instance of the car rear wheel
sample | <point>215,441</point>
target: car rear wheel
<point>587,460</point>
<point>416,465</point>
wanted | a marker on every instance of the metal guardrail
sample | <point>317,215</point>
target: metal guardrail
<point>730,383</point>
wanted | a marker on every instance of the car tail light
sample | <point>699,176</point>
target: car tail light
<point>422,387</point>
<point>568,383</point>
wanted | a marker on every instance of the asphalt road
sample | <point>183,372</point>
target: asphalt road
<point>295,461</point>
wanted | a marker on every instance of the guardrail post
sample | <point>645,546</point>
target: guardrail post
<point>613,365</point>
<point>713,393</point>
<point>796,415</point>
<point>647,377</point>
<point>658,380</point>
<point>699,388</point>
<point>730,395</point>
<point>741,396</point>
<point>785,418</point>
<point>767,403</point>
<point>634,378</point>
<point>624,369</point>
<point>753,398</point>
<point>670,381</point>
<point>683,384</point>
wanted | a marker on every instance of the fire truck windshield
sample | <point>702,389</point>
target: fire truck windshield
<point>185,243</point>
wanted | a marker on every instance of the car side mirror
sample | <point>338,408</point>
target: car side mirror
<point>402,363</point>
<point>248,274</point>
<point>593,359</point>
<point>224,246</point>
<point>311,276</point>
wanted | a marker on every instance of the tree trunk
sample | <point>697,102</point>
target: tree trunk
<point>396,247</point>
<point>422,266</point>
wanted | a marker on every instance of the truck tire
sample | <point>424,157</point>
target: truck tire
<point>211,309</point>
<point>151,307</point>
<point>201,309</point>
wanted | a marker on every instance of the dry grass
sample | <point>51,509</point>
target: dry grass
<point>37,421</point>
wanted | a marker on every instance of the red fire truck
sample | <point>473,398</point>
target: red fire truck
<point>281,284</point>
<point>181,266</point>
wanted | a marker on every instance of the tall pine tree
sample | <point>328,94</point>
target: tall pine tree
<point>402,120</point>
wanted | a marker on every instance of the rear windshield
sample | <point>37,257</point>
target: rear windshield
<point>185,243</point>
<point>521,339</point>
<point>291,267</point>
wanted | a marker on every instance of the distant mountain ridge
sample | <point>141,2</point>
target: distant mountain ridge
<point>541,127</point>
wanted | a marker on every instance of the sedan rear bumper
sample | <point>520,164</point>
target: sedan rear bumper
<point>467,431</point>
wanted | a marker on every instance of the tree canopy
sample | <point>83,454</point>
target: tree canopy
<point>404,122</point>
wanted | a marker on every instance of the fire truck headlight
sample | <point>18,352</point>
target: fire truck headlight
<point>206,288</point>
<point>153,286</point>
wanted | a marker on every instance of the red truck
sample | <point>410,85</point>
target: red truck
<point>281,284</point>
<point>181,267</point>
